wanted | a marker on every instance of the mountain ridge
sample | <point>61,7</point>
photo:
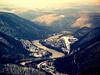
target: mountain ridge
<point>18,27</point>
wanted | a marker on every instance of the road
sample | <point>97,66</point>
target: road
<point>55,54</point>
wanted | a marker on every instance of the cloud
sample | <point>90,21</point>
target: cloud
<point>48,19</point>
<point>82,21</point>
<point>3,10</point>
<point>15,10</point>
<point>19,10</point>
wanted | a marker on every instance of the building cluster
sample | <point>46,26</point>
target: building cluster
<point>35,51</point>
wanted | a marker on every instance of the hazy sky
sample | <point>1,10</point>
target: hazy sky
<point>45,4</point>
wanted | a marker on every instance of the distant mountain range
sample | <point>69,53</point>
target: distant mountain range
<point>18,27</point>
<point>56,22</point>
<point>65,22</point>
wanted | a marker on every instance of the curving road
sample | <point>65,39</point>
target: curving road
<point>55,54</point>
